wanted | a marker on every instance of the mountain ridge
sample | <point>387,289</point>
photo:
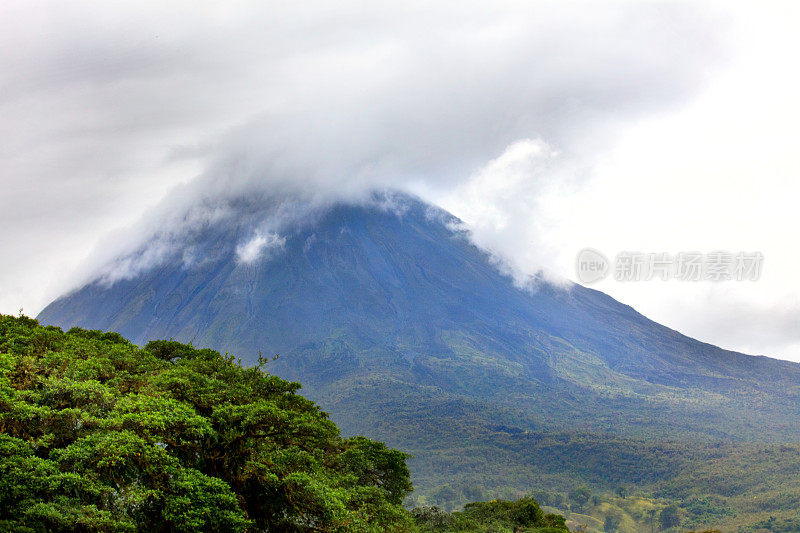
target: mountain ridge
<point>363,291</point>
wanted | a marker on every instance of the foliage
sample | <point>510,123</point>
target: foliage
<point>493,516</point>
<point>706,509</point>
<point>718,484</point>
<point>670,516</point>
<point>774,525</point>
<point>97,434</point>
<point>612,521</point>
<point>580,496</point>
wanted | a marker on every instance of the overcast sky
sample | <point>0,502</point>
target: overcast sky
<point>547,127</point>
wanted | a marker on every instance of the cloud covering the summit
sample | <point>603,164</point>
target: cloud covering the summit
<point>127,120</point>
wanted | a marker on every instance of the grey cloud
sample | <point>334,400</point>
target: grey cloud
<point>422,110</point>
<point>105,108</point>
<point>771,329</point>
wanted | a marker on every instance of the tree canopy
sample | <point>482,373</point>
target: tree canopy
<point>97,434</point>
<point>494,516</point>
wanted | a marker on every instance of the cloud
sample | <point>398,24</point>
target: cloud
<point>429,101</point>
<point>417,98</point>
<point>259,247</point>
<point>142,122</point>
<point>500,203</point>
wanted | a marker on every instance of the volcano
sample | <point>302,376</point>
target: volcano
<point>404,330</point>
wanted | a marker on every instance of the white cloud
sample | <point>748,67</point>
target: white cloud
<point>719,173</point>
<point>547,126</point>
<point>105,108</point>
<point>259,247</point>
<point>499,203</point>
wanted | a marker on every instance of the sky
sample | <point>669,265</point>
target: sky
<point>548,127</point>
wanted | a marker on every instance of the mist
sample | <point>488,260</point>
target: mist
<point>185,112</point>
<point>126,126</point>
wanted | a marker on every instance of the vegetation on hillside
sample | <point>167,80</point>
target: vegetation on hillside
<point>406,333</point>
<point>97,434</point>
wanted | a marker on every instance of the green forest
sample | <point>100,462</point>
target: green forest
<point>98,434</point>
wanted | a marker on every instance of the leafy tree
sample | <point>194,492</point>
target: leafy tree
<point>670,517</point>
<point>553,499</point>
<point>612,521</point>
<point>97,434</point>
<point>473,493</point>
<point>432,518</point>
<point>495,516</point>
<point>446,496</point>
<point>580,496</point>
